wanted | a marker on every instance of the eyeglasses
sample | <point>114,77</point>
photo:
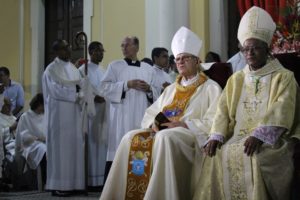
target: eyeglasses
<point>183,58</point>
<point>246,50</point>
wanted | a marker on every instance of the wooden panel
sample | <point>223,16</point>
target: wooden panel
<point>76,25</point>
<point>64,18</point>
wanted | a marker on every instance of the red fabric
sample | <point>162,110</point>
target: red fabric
<point>262,3</point>
<point>271,6</point>
<point>241,7</point>
<point>248,4</point>
<point>82,61</point>
<point>256,3</point>
<point>282,4</point>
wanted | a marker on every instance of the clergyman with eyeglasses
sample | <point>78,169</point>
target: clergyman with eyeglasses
<point>256,120</point>
<point>156,162</point>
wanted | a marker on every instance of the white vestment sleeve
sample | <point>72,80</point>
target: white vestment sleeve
<point>5,134</point>
<point>110,87</point>
<point>154,109</point>
<point>211,97</point>
<point>59,92</point>
<point>156,91</point>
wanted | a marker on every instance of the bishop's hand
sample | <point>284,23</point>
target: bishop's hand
<point>211,147</point>
<point>252,144</point>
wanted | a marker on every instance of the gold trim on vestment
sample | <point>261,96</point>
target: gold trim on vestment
<point>139,165</point>
<point>175,110</point>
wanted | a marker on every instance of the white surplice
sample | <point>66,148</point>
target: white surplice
<point>65,144</point>
<point>5,137</point>
<point>174,151</point>
<point>238,61</point>
<point>97,138</point>
<point>125,114</point>
<point>30,137</point>
<point>161,77</point>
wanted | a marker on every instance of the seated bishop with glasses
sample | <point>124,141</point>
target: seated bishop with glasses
<point>157,161</point>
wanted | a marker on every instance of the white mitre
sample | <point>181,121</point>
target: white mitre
<point>256,23</point>
<point>185,41</point>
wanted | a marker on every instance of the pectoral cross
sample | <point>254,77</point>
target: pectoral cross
<point>252,105</point>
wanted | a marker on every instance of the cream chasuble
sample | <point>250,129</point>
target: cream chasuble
<point>174,150</point>
<point>266,97</point>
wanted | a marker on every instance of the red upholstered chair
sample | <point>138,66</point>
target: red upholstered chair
<point>219,72</point>
<point>291,61</point>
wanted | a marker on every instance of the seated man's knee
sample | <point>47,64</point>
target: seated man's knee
<point>164,135</point>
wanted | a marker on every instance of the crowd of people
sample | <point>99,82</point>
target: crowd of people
<point>159,128</point>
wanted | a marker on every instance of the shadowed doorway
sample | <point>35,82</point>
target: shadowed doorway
<point>63,19</point>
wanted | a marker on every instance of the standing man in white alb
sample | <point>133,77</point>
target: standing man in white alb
<point>129,86</point>
<point>97,140</point>
<point>160,58</point>
<point>65,144</point>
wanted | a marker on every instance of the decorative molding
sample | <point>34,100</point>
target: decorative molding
<point>87,17</point>
<point>21,42</point>
<point>162,20</point>
<point>37,24</point>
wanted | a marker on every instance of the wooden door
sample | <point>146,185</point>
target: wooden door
<point>233,24</point>
<point>64,18</point>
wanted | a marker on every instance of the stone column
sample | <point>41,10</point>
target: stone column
<point>162,19</point>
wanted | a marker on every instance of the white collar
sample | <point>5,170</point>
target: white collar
<point>157,67</point>
<point>184,82</point>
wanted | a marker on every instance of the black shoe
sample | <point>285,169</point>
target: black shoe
<point>58,193</point>
<point>80,192</point>
<point>95,188</point>
<point>4,187</point>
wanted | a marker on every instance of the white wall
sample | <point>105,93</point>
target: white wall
<point>163,19</point>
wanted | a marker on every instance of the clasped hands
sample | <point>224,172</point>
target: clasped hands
<point>251,145</point>
<point>139,85</point>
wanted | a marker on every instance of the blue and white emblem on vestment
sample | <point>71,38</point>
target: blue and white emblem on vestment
<point>138,167</point>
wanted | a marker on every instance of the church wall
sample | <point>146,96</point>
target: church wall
<point>115,19</point>
<point>27,53</point>
<point>9,36</point>
<point>199,23</point>
<point>109,25</point>
<point>15,40</point>
<point>96,21</point>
